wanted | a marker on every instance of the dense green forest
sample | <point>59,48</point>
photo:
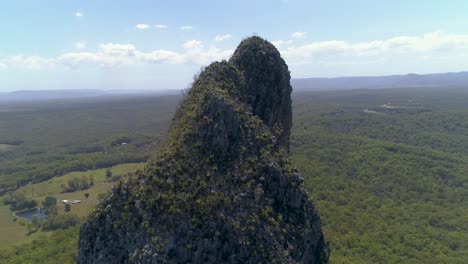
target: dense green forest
<point>387,169</point>
<point>46,139</point>
<point>390,183</point>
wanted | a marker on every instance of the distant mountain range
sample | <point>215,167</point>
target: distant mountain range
<point>459,79</point>
<point>32,95</point>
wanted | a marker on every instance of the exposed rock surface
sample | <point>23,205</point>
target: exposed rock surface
<point>222,189</point>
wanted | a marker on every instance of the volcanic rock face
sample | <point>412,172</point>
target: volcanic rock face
<point>222,189</point>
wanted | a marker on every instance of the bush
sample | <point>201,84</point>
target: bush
<point>76,184</point>
<point>17,201</point>
<point>49,201</point>
<point>60,222</point>
<point>22,205</point>
<point>49,205</point>
<point>35,221</point>
<point>114,178</point>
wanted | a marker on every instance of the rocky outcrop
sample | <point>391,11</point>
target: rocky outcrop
<point>222,190</point>
<point>267,86</point>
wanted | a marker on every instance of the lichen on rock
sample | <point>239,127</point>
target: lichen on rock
<point>222,189</point>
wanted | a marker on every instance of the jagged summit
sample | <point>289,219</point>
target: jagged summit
<point>267,86</point>
<point>222,189</point>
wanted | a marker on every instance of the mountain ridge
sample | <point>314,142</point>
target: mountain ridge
<point>434,80</point>
<point>454,79</point>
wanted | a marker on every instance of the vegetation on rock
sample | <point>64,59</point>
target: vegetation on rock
<point>222,189</point>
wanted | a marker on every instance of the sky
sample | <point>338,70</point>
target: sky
<point>160,45</point>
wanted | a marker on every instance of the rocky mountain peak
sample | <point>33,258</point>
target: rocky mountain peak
<point>267,86</point>
<point>222,189</point>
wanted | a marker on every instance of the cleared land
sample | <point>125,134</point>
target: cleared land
<point>13,233</point>
<point>5,147</point>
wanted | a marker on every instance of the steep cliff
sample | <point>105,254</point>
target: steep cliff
<point>222,190</point>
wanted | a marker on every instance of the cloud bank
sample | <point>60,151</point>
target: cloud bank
<point>298,34</point>
<point>429,43</point>
<point>113,54</point>
<point>222,37</point>
<point>434,46</point>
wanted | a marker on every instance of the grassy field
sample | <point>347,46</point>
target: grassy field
<point>5,147</point>
<point>13,233</point>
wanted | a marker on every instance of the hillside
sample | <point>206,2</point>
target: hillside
<point>222,188</point>
<point>440,80</point>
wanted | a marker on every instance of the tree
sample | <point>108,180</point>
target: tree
<point>24,204</point>
<point>73,184</point>
<point>108,173</point>
<point>67,207</point>
<point>35,220</point>
<point>49,205</point>
<point>49,201</point>
<point>60,221</point>
<point>84,183</point>
<point>17,196</point>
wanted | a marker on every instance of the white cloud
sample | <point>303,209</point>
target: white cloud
<point>118,49</point>
<point>80,45</point>
<point>107,56</point>
<point>192,44</point>
<point>186,27</point>
<point>222,37</point>
<point>114,54</point>
<point>196,52</point>
<point>298,34</point>
<point>281,43</point>
<point>159,26</point>
<point>142,26</point>
<point>433,42</point>
<point>159,56</point>
<point>78,14</point>
<point>27,62</point>
<point>431,48</point>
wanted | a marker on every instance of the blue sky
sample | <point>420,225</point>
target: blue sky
<point>73,44</point>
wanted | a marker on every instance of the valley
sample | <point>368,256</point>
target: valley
<point>390,187</point>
